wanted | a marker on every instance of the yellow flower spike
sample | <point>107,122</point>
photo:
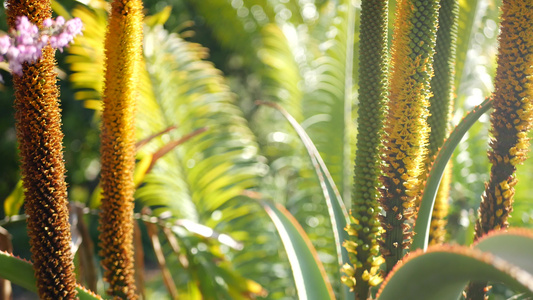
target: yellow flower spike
<point>515,58</point>
<point>406,128</point>
<point>123,57</point>
<point>40,140</point>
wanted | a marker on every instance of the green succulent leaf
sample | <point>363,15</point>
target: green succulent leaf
<point>309,274</point>
<point>511,246</point>
<point>337,211</point>
<point>420,240</point>
<point>20,272</point>
<point>443,271</point>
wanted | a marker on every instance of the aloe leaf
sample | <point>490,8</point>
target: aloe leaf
<point>514,246</point>
<point>20,272</point>
<point>444,271</point>
<point>309,274</point>
<point>336,208</point>
<point>338,214</point>
<point>423,221</point>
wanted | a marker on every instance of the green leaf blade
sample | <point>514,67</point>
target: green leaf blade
<point>443,272</point>
<point>337,210</point>
<point>20,272</point>
<point>309,275</point>
<point>423,221</point>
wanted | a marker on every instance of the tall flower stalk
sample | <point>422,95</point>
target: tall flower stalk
<point>365,227</point>
<point>123,46</point>
<point>440,108</point>
<point>38,124</point>
<point>406,128</point>
<point>510,120</point>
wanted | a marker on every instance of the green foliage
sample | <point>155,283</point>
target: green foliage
<point>14,201</point>
<point>209,150</point>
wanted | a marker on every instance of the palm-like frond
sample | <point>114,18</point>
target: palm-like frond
<point>86,57</point>
<point>217,165</point>
<point>235,24</point>
<point>333,97</point>
<point>281,77</point>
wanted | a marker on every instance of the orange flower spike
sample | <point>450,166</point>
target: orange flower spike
<point>406,128</point>
<point>510,120</point>
<point>512,115</point>
<point>123,46</point>
<point>40,140</point>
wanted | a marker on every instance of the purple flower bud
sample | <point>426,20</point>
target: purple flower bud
<point>21,50</point>
<point>15,67</point>
<point>5,42</point>
<point>25,44</point>
<point>24,26</point>
<point>14,64</point>
<point>29,54</point>
<point>60,21</point>
<point>48,23</point>
<point>43,41</point>
<point>24,38</point>
<point>12,53</point>
<point>74,26</point>
<point>53,41</point>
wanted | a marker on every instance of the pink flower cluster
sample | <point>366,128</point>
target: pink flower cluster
<point>25,42</point>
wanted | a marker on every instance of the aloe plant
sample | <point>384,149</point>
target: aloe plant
<point>243,201</point>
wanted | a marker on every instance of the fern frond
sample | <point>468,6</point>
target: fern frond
<point>332,96</point>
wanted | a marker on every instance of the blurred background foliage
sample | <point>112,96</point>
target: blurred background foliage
<point>207,62</point>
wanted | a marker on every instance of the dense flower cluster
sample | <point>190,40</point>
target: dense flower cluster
<point>25,42</point>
